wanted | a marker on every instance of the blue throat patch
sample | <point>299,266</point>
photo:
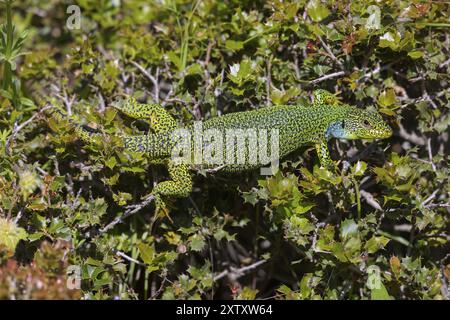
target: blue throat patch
<point>335,130</point>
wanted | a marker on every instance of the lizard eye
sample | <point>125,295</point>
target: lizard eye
<point>366,123</point>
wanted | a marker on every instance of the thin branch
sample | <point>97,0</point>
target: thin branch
<point>327,76</point>
<point>24,124</point>
<point>412,137</point>
<point>153,79</point>
<point>431,197</point>
<point>268,81</point>
<point>237,273</point>
<point>375,71</point>
<point>161,287</point>
<point>330,53</point>
<point>126,257</point>
<point>19,215</point>
<point>17,129</point>
<point>371,201</point>
<point>216,169</point>
<point>430,154</point>
<point>132,209</point>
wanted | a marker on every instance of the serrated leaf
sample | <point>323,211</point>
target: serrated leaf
<point>146,252</point>
<point>10,234</point>
<point>317,11</point>
<point>380,293</point>
<point>348,228</point>
<point>197,242</point>
<point>234,45</point>
<point>416,54</point>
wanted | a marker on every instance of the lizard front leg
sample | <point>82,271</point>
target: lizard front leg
<point>180,186</point>
<point>324,155</point>
<point>154,114</point>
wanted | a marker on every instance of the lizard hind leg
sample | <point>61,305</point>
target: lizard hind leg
<point>154,114</point>
<point>180,186</point>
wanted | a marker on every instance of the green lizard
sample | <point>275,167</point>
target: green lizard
<point>297,126</point>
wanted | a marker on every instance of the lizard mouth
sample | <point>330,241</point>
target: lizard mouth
<point>371,134</point>
<point>383,134</point>
<point>377,134</point>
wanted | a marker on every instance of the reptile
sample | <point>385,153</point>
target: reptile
<point>297,125</point>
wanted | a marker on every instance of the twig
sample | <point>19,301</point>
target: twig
<point>126,257</point>
<point>268,82</point>
<point>403,227</point>
<point>431,197</point>
<point>371,201</point>
<point>430,154</point>
<point>412,137</point>
<point>153,79</point>
<point>23,125</point>
<point>237,273</point>
<point>132,209</point>
<point>216,169</point>
<point>330,53</point>
<point>425,92</point>
<point>375,71</point>
<point>161,287</point>
<point>19,215</point>
<point>67,101</point>
<point>327,76</point>
<point>443,64</point>
<point>296,68</point>
<point>434,205</point>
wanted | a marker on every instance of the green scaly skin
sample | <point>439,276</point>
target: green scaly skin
<point>298,126</point>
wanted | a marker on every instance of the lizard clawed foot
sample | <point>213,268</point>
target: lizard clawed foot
<point>162,208</point>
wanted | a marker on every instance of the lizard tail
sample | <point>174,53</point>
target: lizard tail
<point>85,133</point>
<point>158,145</point>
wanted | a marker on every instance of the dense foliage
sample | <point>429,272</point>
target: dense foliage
<point>377,229</point>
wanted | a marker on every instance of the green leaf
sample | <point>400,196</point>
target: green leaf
<point>26,102</point>
<point>373,22</point>
<point>146,252</point>
<point>359,168</point>
<point>197,242</point>
<point>111,162</point>
<point>175,59</point>
<point>387,98</point>
<point>376,243</point>
<point>390,39</point>
<point>416,54</point>
<point>248,294</point>
<point>10,234</point>
<point>234,45</point>
<point>317,11</point>
<point>380,293</point>
<point>348,228</point>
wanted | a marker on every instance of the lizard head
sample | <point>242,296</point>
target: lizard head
<point>361,124</point>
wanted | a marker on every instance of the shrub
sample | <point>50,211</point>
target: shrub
<point>376,230</point>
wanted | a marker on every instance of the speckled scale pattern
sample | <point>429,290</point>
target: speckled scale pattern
<point>298,126</point>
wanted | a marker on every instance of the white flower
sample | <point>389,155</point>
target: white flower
<point>234,69</point>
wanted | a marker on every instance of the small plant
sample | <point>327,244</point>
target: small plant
<point>10,50</point>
